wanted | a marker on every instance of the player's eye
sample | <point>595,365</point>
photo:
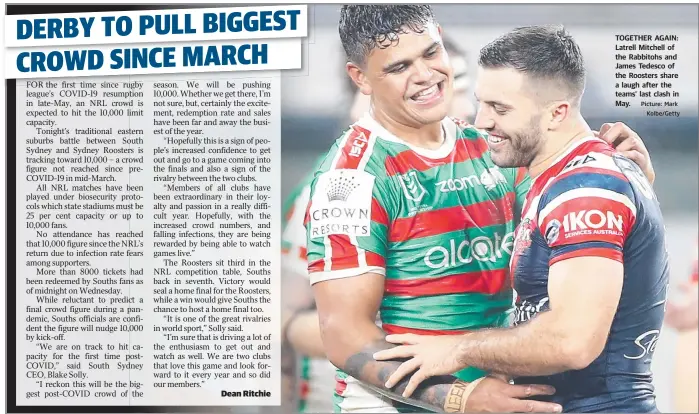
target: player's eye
<point>431,53</point>
<point>499,110</point>
<point>397,69</point>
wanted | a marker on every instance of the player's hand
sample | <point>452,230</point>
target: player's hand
<point>497,396</point>
<point>685,315</point>
<point>429,355</point>
<point>629,144</point>
<point>437,355</point>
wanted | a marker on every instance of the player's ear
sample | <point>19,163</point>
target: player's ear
<point>558,112</point>
<point>359,78</point>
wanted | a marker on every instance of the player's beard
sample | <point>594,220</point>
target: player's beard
<point>520,147</point>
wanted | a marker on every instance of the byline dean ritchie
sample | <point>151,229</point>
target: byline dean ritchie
<point>246,393</point>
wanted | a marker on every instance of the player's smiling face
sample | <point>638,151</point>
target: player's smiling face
<point>411,80</point>
<point>508,111</point>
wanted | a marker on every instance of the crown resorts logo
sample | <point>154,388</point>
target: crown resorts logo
<point>340,188</point>
<point>347,210</point>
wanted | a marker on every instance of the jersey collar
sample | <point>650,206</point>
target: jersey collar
<point>448,127</point>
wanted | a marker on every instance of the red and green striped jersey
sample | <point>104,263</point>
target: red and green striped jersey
<point>438,224</point>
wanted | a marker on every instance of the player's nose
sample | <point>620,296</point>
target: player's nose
<point>483,120</point>
<point>423,72</point>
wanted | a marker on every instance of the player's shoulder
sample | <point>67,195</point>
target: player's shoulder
<point>357,149</point>
<point>589,178</point>
<point>591,164</point>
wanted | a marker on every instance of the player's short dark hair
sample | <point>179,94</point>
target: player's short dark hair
<point>449,45</point>
<point>543,52</point>
<point>364,27</point>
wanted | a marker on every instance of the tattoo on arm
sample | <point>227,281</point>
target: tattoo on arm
<point>441,393</point>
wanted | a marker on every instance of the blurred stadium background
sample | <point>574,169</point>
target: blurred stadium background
<point>315,105</point>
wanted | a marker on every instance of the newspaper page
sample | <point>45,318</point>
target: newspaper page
<point>147,203</point>
<point>226,208</point>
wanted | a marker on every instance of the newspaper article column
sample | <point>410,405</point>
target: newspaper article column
<point>147,240</point>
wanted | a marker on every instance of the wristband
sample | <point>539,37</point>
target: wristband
<point>458,396</point>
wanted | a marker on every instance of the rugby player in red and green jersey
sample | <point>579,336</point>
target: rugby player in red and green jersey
<point>315,376</point>
<point>410,218</point>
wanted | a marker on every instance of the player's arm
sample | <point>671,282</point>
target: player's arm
<point>584,293</point>
<point>347,308</point>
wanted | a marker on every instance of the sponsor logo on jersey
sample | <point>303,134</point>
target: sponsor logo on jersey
<point>553,230</point>
<point>587,222</point>
<point>646,343</point>
<point>462,252</point>
<point>522,241</point>
<point>489,179</point>
<point>523,236</point>
<point>526,310</point>
<point>341,204</point>
<point>579,160</point>
<point>412,187</point>
<point>359,142</point>
<point>340,187</point>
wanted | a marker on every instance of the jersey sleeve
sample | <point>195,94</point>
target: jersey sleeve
<point>346,226</point>
<point>587,214</point>
<point>346,220</point>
